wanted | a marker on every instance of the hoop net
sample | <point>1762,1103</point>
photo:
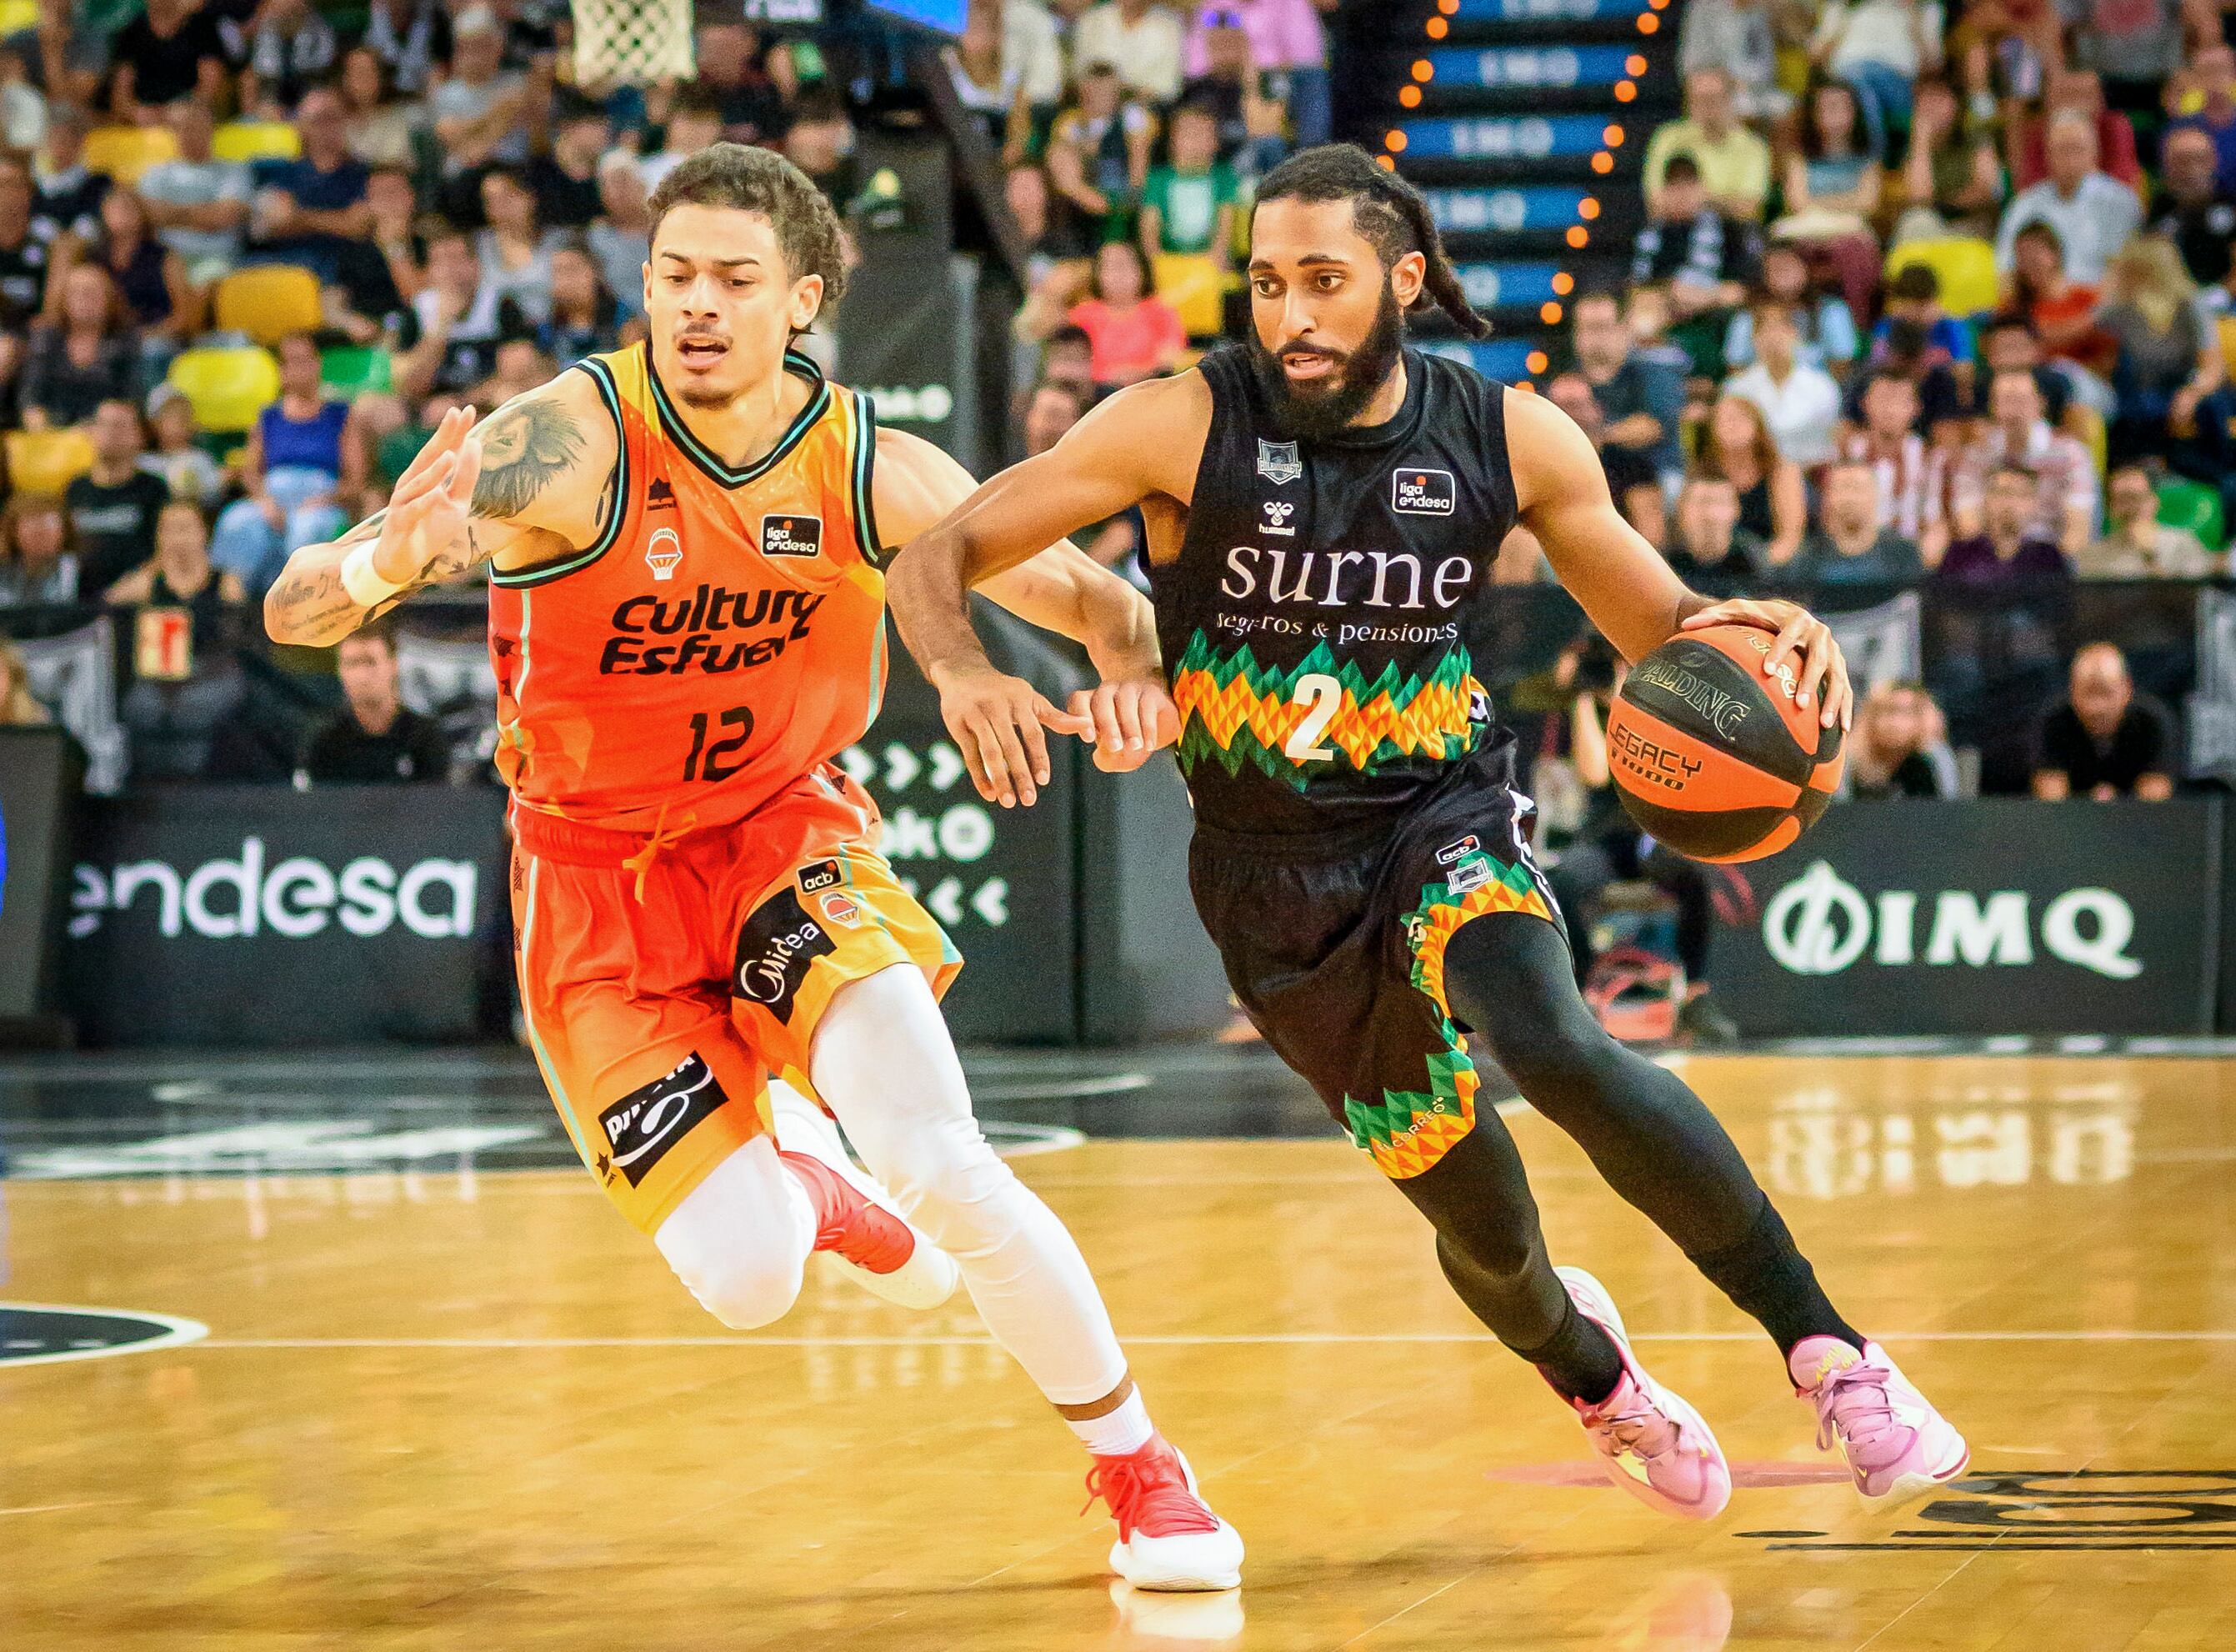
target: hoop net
<point>632,42</point>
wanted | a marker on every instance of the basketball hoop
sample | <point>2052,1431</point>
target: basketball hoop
<point>635,42</point>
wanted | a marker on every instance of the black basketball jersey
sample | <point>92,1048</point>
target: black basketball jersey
<point>1316,623</point>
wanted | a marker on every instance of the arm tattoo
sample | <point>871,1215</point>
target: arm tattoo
<point>524,448</point>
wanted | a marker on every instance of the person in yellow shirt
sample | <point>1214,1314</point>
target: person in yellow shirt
<point>1734,160</point>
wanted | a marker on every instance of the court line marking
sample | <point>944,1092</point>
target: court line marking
<point>1278,1338</point>
<point>178,1333</point>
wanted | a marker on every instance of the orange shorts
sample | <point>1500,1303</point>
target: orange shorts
<point>661,995</point>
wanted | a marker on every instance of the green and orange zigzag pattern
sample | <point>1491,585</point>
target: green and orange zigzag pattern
<point>1408,1131</point>
<point>1234,711</point>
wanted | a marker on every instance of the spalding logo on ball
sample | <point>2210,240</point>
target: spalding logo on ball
<point>1712,756</point>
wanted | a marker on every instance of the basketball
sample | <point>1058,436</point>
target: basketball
<point>1715,758</point>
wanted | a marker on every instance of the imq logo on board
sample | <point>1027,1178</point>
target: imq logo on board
<point>1820,924</point>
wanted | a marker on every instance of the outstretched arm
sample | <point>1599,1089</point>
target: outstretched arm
<point>1136,444</point>
<point>1623,584</point>
<point>524,486</point>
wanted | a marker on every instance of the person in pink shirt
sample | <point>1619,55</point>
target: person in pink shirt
<point>1285,36</point>
<point>1133,334</point>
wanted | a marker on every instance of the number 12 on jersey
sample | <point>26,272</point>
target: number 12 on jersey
<point>1321,696</point>
<point>716,765</point>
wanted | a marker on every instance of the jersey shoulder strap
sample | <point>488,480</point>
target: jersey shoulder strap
<point>614,379</point>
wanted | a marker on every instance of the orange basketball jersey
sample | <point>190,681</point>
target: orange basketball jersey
<point>723,636</point>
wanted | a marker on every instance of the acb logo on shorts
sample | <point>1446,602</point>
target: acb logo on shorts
<point>642,1126</point>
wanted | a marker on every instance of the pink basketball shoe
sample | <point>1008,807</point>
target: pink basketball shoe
<point>1896,1445</point>
<point>1653,1445</point>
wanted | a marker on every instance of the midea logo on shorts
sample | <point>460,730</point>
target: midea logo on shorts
<point>1820,924</point>
<point>232,898</point>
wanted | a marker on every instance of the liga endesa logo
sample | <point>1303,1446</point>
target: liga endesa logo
<point>239,897</point>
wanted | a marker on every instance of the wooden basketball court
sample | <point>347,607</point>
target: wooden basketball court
<point>451,1406</point>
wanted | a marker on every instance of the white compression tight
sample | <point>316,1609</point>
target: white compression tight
<point>883,1061</point>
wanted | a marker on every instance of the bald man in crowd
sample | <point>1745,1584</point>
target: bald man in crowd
<point>2104,740</point>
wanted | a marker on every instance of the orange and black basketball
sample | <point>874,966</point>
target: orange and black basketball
<point>1713,757</point>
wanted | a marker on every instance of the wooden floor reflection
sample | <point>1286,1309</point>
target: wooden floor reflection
<point>446,1411</point>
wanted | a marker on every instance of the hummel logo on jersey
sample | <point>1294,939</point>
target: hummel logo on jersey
<point>1278,462</point>
<point>659,496</point>
<point>792,536</point>
<point>1424,493</point>
<point>1278,512</point>
<point>663,552</point>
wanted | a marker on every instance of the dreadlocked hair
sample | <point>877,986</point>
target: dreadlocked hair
<point>1388,211</point>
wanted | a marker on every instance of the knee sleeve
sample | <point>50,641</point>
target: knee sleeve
<point>741,1239</point>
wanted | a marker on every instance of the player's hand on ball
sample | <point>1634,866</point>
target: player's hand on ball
<point>1129,720</point>
<point>997,721</point>
<point>427,510</point>
<point>1820,671</point>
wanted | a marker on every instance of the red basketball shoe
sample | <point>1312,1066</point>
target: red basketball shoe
<point>1168,1536</point>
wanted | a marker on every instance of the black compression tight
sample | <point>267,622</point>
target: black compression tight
<point>1508,978</point>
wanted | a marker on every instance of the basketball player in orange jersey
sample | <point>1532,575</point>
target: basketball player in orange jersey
<point>1324,504</point>
<point>685,543</point>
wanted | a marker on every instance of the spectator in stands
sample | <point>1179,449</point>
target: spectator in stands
<point>413,40</point>
<point>480,109</point>
<point>2010,550</point>
<point>178,460</point>
<point>36,563</point>
<point>1801,402</point>
<point>741,76</point>
<point>820,142</point>
<point>586,317</point>
<point>1733,162</point>
<point>150,277</point>
<point>380,128</point>
<point>374,739</point>
<point>69,192</point>
<point>1642,403</point>
<point>565,182</point>
<point>1952,179</point>
<point>2194,211</point>
<point>187,620</point>
<point>1631,476</point>
<point>22,110</point>
<point>1135,334</point>
<point>113,505</point>
<point>1774,504</point>
<point>1051,409</point>
<point>2018,439</point>
<point>1142,40</point>
<point>2062,311</point>
<point>2008,344</point>
<point>312,210</point>
<point>1252,118</point>
<point>1705,259</point>
<point>2103,740</point>
<point>1067,357</point>
<point>89,354</point>
<point>198,203</point>
<point>1714,554</point>
<point>1827,326</point>
<point>1833,179</point>
<point>1914,295</point>
<point>693,123</point>
<point>1056,250</point>
<point>621,240</point>
<point>1911,473</point>
<point>989,61</point>
<point>24,265</point>
<point>171,51</point>
<point>1852,548</point>
<point>2136,544</point>
<point>2214,73</point>
<point>2169,369</point>
<point>289,48</point>
<point>19,706</point>
<point>521,366</point>
<point>1880,47</point>
<point>1283,37</point>
<point>1098,151</point>
<point>303,474</point>
<point>515,250</point>
<point>2092,214</point>
<point>2080,92</point>
<point>2136,45</point>
<point>449,335</point>
<point>1645,312</point>
<point>1189,205</point>
<point>1738,37</point>
<point>395,234</point>
<point>1889,756</point>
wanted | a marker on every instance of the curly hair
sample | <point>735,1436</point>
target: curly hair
<point>745,178</point>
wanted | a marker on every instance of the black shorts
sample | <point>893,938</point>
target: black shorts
<point>1335,947</point>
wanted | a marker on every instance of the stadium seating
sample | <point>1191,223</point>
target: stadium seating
<point>124,152</point>
<point>228,387</point>
<point>46,461</point>
<point>2183,503</point>
<point>268,302</point>
<point>1965,266</point>
<point>256,140</point>
<point>352,370</point>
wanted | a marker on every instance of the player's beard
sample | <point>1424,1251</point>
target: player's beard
<point>1320,407</point>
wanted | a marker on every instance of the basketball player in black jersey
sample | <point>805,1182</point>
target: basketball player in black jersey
<point>1324,505</point>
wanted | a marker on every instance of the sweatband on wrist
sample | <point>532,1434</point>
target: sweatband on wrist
<point>367,585</point>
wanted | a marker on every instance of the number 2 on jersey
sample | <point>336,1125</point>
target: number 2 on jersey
<point>715,767</point>
<point>1321,696</point>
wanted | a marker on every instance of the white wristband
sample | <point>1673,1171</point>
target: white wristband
<point>367,585</point>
